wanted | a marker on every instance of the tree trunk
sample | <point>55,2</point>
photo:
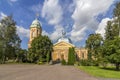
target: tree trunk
<point>117,66</point>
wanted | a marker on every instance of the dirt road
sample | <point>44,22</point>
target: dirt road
<point>41,72</point>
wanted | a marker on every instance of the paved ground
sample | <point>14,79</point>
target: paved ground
<point>42,72</point>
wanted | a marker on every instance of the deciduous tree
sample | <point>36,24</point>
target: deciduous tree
<point>40,48</point>
<point>9,40</point>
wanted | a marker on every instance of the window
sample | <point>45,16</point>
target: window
<point>33,34</point>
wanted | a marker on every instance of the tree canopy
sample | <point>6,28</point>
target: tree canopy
<point>93,44</point>
<point>41,47</point>
<point>9,39</point>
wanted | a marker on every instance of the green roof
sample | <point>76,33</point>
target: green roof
<point>35,23</point>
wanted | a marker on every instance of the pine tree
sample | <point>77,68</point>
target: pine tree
<point>71,56</point>
<point>111,46</point>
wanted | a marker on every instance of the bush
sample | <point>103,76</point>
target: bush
<point>84,63</point>
<point>76,63</point>
<point>40,62</point>
<point>63,62</point>
<point>88,63</point>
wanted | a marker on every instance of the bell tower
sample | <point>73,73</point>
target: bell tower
<point>35,31</point>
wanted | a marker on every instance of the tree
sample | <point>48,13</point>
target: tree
<point>111,30</point>
<point>112,51</point>
<point>71,56</point>
<point>48,57</point>
<point>41,47</point>
<point>93,44</point>
<point>22,55</point>
<point>117,15</point>
<point>113,27</point>
<point>9,40</point>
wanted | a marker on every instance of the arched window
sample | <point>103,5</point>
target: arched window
<point>33,34</point>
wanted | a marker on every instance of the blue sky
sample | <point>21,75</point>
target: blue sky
<point>78,18</point>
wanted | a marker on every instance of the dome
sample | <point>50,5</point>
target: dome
<point>36,23</point>
<point>65,39</point>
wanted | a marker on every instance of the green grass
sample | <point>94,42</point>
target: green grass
<point>100,72</point>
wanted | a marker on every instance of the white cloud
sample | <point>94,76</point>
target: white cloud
<point>102,25</point>
<point>2,15</point>
<point>13,0</point>
<point>45,33</point>
<point>55,34</point>
<point>52,11</point>
<point>22,32</point>
<point>84,16</point>
<point>78,35</point>
<point>36,8</point>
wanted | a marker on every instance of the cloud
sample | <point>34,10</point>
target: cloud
<point>55,34</point>
<point>52,11</point>
<point>45,33</point>
<point>53,14</point>
<point>13,0</point>
<point>102,25</point>
<point>36,8</point>
<point>2,15</point>
<point>84,16</point>
<point>22,32</point>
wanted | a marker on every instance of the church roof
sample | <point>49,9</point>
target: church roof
<point>35,23</point>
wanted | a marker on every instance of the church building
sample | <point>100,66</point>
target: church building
<point>61,47</point>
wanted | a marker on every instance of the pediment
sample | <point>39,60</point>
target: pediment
<point>63,44</point>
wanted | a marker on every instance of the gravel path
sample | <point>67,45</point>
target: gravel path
<point>42,72</point>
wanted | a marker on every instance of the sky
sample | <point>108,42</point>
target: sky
<point>78,18</point>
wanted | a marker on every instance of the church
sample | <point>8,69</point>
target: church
<point>61,47</point>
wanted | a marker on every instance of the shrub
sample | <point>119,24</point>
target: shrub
<point>40,62</point>
<point>88,62</point>
<point>85,63</point>
<point>63,62</point>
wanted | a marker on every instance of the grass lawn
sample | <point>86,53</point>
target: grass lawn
<point>100,72</point>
